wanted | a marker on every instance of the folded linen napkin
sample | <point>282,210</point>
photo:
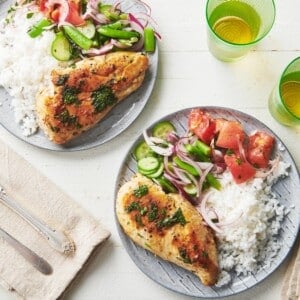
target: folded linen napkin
<point>41,197</point>
<point>291,284</point>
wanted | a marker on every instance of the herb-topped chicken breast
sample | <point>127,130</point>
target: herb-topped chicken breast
<point>169,226</point>
<point>83,94</point>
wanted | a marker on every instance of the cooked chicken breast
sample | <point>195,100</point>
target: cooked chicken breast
<point>169,226</point>
<point>83,94</point>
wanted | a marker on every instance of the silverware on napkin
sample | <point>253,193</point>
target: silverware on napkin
<point>35,260</point>
<point>57,239</point>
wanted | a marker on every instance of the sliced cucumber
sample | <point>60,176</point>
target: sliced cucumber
<point>142,150</point>
<point>148,164</point>
<point>162,129</point>
<point>191,189</point>
<point>88,29</point>
<point>60,48</point>
<point>158,172</point>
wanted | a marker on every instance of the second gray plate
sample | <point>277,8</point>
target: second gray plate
<point>179,280</point>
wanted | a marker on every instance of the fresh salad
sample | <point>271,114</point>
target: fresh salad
<point>86,28</point>
<point>193,163</point>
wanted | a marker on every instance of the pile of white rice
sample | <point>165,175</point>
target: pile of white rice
<point>25,65</point>
<point>251,216</point>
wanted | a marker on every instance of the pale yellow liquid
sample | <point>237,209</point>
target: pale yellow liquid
<point>290,92</point>
<point>233,29</point>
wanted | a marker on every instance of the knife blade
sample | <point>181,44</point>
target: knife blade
<point>35,260</point>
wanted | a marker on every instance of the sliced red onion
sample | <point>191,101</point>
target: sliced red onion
<point>180,145</point>
<point>202,179</point>
<point>219,168</point>
<point>205,165</point>
<point>138,46</point>
<point>204,213</point>
<point>133,19</point>
<point>242,150</point>
<point>172,137</point>
<point>168,151</point>
<point>264,173</point>
<point>176,181</point>
<point>181,175</point>
<point>93,4</point>
<point>103,50</point>
<point>117,5</point>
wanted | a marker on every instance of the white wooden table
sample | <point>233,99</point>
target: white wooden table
<point>188,76</point>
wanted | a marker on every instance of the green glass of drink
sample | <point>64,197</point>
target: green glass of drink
<point>235,26</point>
<point>284,101</point>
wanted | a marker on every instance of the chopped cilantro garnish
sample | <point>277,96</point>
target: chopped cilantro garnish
<point>141,191</point>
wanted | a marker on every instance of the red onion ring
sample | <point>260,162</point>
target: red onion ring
<point>202,209</point>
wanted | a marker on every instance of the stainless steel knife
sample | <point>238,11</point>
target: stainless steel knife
<point>35,260</point>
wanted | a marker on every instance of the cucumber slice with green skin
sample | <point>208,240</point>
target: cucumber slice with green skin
<point>158,172</point>
<point>148,164</point>
<point>60,48</point>
<point>191,189</point>
<point>88,29</point>
<point>142,150</point>
<point>162,129</point>
<point>146,173</point>
<point>166,185</point>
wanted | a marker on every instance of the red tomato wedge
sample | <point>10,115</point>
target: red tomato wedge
<point>241,170</point>
<point>42,5</point>
<point>202,125</point>
<point>59,8</point>
<point>231,133</point>
<point>55,15</point>
<point>260,149</point>
<point>74,15</point>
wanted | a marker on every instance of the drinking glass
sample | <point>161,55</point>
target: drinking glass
<point>284,101</point>
<point>236,26</point>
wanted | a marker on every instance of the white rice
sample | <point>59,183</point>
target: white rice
<point>251,215</point>
<point>25,66</point>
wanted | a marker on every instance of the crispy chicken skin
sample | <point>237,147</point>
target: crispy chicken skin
<point>169,226</point>
<point>83,94</point>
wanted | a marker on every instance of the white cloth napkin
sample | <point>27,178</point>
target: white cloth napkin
<point>291,284</point>
<point>41,197</point>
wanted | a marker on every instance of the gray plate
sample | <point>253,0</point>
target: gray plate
<point>118,119</point>
<point>185,282</point>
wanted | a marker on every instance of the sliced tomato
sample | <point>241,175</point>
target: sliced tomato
<point>219,123</point>
<point>231,134</point>
<point>241,170</point>
<point>42,5</point>
<point>55,15</point>
<point>260,149</point>
<point>74,14</point>
<point>202,125</point>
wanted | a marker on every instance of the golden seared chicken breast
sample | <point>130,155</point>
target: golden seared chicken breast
<point>169,226</point>
<point>83,94</point>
